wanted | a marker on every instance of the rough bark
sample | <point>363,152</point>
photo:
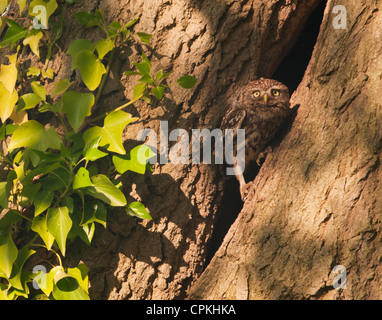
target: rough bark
<point>224,44</point>
<point>317,200</point>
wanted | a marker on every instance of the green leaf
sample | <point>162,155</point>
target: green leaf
<point>14,33</point>
<point>115,25</point>
<point>56,180</point>
<point>28,193</point>
<point>28,134</point>
<point>91,69</point>
<point>3,5</point>
<point>7,102</point>
<point>33,134</point>
<point>158,92</point>
<point>17,280</point>
<point>10,128</point>
<point>146,79</point>
<point>86,233</point>
<point>82,179</point>
<point>80,228</point>
<point>42,201</point>
<point>4,194</point>
<point>92,153</point>
<point>132,73</point>
<point>144,37</point>
<point>104,46</point>
<point>94,211</point>
<point>3,131</point>
<point>187,81</point>
<point>59,225</point>
<point>131,23</point>
<point>67,288</point>
<point>135,161</point>
<point>106,191</point>
<point>33,41</point>
<point>8,74</point>
<point>69,203</point>
<point>80,45</point>
<point>161,75</point>
<point>139,91</point>
<point>86,18</point>
<point>39,89</point>
<point>113,128</point>
<point>11,217</point>
<point>77,106</point>
<point>28,101</point>
<point>99,14</point>
<point>34,71</point>
<point>111,133</point>
<point>4,292</point>
<point>57,107</point>
<point>50,140</point>
<point>40,226</point>
<point>49,74</point>
<point>60,87</point>
<point>92,134</point>
<point>143,68</point>
<point>45,281</point>
<point>43,169</point>
<point>22,4</point>
<point>8,254</point>
<point>137,209</point>
<point>140,155</point>
<point>50,7</point>
<point>81,275</point>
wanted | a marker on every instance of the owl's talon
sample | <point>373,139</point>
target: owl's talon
<point>245,190</point>
<point>263,154</point>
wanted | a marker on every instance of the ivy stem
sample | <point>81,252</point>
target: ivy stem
<point>22,216</point>
<point>129,103</point>
<point>117,109</point>
<point>44,246</point>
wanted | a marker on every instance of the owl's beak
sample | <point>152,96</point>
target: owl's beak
<point>266,99</point>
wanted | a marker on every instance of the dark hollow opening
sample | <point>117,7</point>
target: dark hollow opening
<point>292,69</point>
<point>290,72</point>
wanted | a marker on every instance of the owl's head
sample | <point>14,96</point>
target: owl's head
<point>267,92</point>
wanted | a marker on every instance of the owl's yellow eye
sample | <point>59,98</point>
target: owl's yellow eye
<point>275,93</point>
<point>256,94</point>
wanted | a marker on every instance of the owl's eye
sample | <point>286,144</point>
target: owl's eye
<point>275,93</point>
<point>256,94</point>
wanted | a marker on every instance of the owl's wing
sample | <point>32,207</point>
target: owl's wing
<point>233,119</point>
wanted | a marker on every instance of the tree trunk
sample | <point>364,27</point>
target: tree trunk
<point>317,200</point>
<point>225,44</point>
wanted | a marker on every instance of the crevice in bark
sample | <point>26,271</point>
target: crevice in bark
<point>292,69</point>
<point>230,207</point>
<point>290,72</point>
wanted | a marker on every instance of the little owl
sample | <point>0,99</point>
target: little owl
<point>259,109</point>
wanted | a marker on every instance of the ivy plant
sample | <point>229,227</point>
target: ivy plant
<point>52,189</point>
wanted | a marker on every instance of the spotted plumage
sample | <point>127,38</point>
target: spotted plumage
<point>260,108</point>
